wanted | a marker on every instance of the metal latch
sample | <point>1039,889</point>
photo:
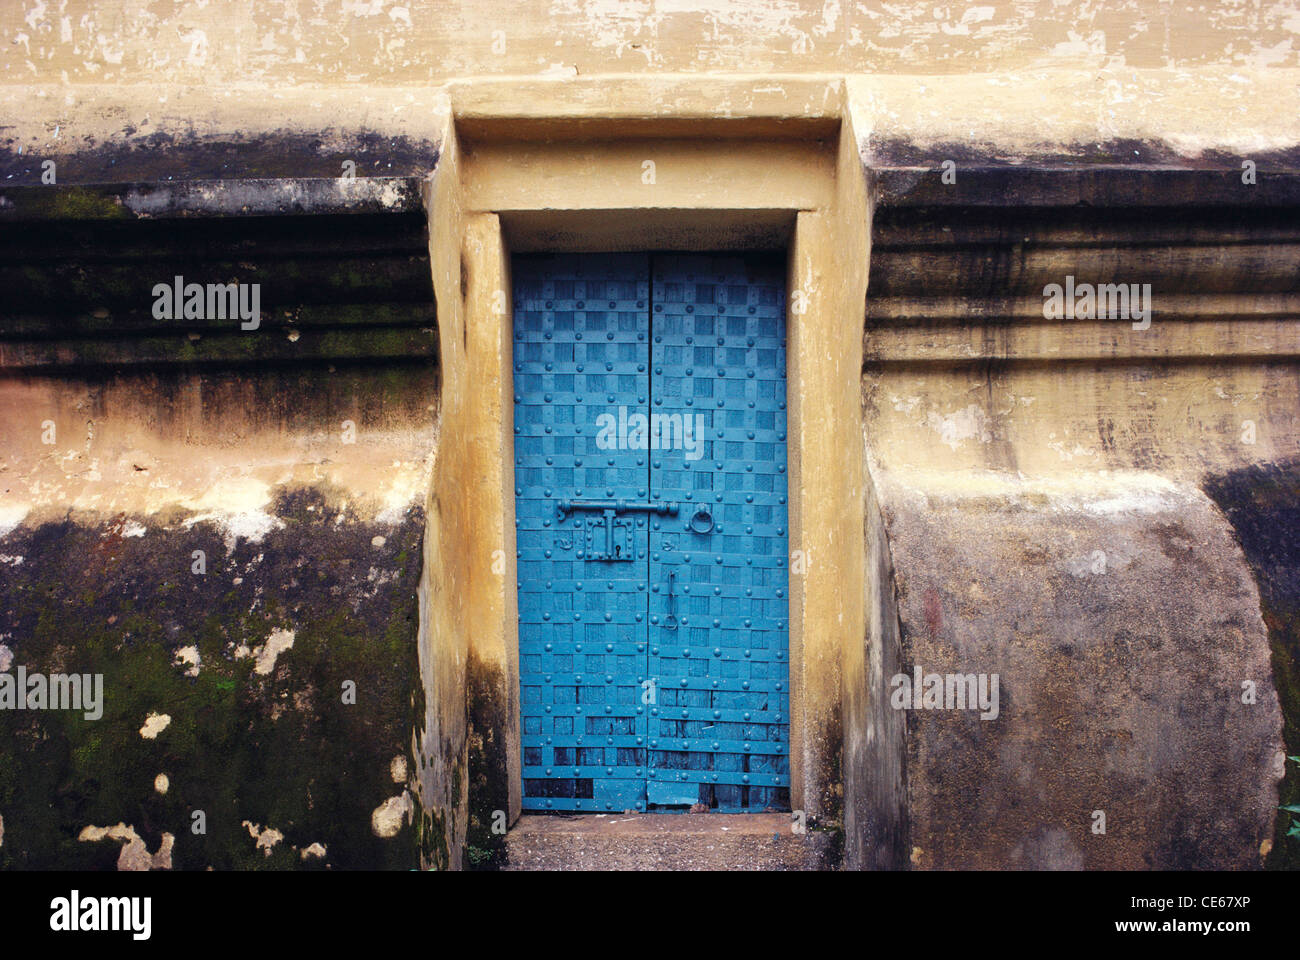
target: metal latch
<point>610,537</point>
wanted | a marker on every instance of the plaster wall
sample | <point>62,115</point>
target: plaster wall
<point>420,42</point>
<point>229,559</point>
<point>1066,506</point>
<point>951,496</point>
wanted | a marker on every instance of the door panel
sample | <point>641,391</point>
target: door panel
<point>720,727</point>
<point>651,523</point>
<point>581,335</point>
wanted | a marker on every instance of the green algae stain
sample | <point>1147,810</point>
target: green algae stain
<point>280,750</point>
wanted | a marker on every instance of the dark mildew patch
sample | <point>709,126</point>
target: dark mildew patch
<point>1262,503</point>
<point>250,664</point>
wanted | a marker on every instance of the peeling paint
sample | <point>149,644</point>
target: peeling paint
<point>267,838</point>
<point>189,656</point>
<point>416,41</point>
<point>237,507</point>
<point>970,423</point>
<point>388,818</point>
<point>277,643</point>
<point>135,855</point>
<point>154,724</point>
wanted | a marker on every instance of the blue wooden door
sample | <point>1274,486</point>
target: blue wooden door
<point>650,461</point>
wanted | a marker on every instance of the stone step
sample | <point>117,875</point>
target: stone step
<point>688,841</point>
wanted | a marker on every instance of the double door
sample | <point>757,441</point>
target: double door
<point>651,506</point>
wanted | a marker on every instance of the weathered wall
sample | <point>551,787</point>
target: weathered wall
<point>311,552</point>
<point>225,523</point>
<point>989,437</point>
<point>876,802</point>
<point>469,646</point>
<point>1121,621</point>
<point>122,76</point>
<point>1262,502</point>
<point>419,42</point>
<point>1044,489</point>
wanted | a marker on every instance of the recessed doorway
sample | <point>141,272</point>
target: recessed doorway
<point>651,506</point>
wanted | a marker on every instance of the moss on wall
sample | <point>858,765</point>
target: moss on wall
<point>252,738</point>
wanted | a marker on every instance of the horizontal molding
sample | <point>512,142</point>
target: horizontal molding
<point>341,269</point>
<point>1113,186</point>
<point>934,312</point>
<point>1023,270</point>
<point>88,243</point>
<point>634,105</point>
<point>297,196</point>
<point>234,347</point>
<point>1074,341</point>
<point>958,271</point>
<point>304,132</point>
<point>127,287</point>
<point>136,323</point>
<point>906,229</point>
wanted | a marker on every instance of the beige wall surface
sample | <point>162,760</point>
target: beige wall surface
<point>1003,78</point>
<point>410,41</point>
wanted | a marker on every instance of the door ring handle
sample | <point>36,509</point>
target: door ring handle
<point>702,520</point>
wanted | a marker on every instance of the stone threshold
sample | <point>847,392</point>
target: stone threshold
<point>700,841</point>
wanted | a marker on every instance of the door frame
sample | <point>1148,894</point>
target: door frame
<point>570,173</point>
